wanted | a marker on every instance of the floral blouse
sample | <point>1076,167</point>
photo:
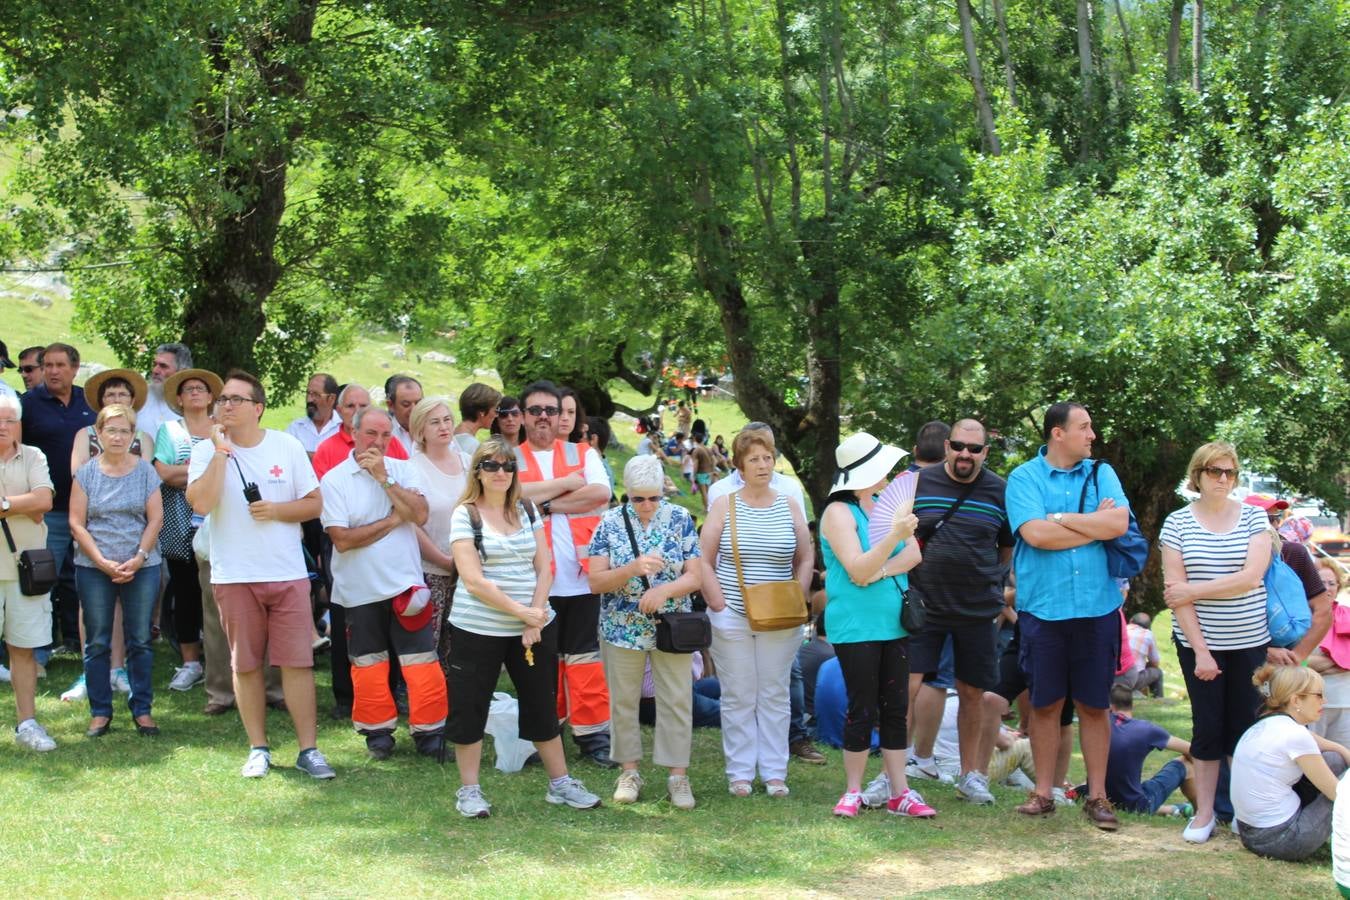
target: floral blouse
<point>672,534</point>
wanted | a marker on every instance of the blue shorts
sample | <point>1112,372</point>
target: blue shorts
<point>1070,658</point>
<point>1160,786</point>
<point>944,677</point>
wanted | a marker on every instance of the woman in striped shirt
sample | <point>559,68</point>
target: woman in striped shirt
<point>1215,552</point>
<point>754,666</point>
<point>501,616</point>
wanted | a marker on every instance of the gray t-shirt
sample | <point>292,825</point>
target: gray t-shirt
<point>116,513</point>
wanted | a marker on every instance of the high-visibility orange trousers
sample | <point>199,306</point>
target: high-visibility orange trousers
<point>583,695</point>
<point>372,631</point>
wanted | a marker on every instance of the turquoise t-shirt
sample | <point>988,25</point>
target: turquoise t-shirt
<point>855,613</point>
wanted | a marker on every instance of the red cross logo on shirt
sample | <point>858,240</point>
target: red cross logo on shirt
<point>275,471</point>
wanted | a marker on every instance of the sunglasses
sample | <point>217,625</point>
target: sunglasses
<point>28,370</point>
<point>643,499</point>
<point>494,465</point>
<point>513,411</point>
<point>540,412</point>
<point>972,449</point>
<point>1220,472</point>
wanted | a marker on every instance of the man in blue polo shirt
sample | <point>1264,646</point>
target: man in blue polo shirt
<point>1067,602</point>
<point>53,413</point>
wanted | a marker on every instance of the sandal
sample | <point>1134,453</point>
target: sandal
<point>776,788</point>
<point>740,788</point>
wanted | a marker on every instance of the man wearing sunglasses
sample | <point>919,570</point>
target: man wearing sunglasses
<point>30,367</point>
<point>569,484</point>
<point>963,526</point>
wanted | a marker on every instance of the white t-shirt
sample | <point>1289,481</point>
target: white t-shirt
<point>403,437</point>
<point>568,578</point>
<point>442,492</point>
<point>391,565</point>
<point>779,482</point>
<point>310,437</point>
<point>467,443</point>
<point>1340,833</point>
<point>244,551</point>
<point>1264,771</point>
<point>155,412</point>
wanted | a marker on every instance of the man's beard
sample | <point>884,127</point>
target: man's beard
<point>311,409</point>
<point>963,468</point>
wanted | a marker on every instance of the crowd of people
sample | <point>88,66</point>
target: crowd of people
<point>432,552</point>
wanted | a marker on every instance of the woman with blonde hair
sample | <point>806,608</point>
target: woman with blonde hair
<point>1215,552</point>
<point>1285,776</point>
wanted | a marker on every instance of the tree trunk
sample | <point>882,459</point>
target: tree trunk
<point>1002,21</point>
<point>1125,38</point>
<point>1174,41</point>
<point>1197,43</point>
<point>1085,76</point>
<point>982,108</point>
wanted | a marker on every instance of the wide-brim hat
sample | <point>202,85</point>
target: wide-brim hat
<point>863,461</point>
<point>1265,501</point>
<point>174,381</point>
<point>140,392</point>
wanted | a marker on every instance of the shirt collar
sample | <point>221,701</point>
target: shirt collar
<point>1041,455</point>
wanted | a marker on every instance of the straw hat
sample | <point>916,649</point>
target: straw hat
<point>174,381</point>
<point>139,391</point>
<point>863,461</point>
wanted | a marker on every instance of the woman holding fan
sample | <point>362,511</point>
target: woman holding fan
<point>865,583</point>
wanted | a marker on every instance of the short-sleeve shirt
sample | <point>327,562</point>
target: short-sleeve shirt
<point>778,481</point>
<point>387,567</point>
<point>1061,584</point>
<point>672,535</point>
<point>310,437</point>
<point>1300,559</point>
<point>51,426</point>
<point>1231,624</point>
<point>961,573</point>
<point>244,551</point>
<point>1131,742</point>
<point>25,471</point>
<point>1265,771</point>
<point>115,517</point>
<point>338,446</point>
<point>442,492</point>
<point>569,580</point>
<point>509,565</point>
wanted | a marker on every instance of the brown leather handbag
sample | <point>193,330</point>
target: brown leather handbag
<point>769,605</point>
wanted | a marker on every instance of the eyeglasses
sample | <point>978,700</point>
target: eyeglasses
<point>28,370</point>
<point>1317,694</point>
<point>495,465</point>
<point>234,401</point>
<point>541,412</point>
<point>1219,472</point>
<point>972,449</point>
<point>7,423</point>
<point>632,499</point>
<point>117,432</point>
<point>194,389</point>
<point>513,411</point>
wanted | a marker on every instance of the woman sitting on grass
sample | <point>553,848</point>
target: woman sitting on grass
<point>1284,776</point>
<point>501,616</point>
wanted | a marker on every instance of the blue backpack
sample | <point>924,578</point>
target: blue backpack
<point>1126,555</point>
<point>1286,604</point>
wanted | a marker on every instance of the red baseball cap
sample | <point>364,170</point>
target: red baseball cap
<point>414,607</point>
<point>1265,501</point>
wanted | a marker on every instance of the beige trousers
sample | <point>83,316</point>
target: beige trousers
<point>673,675</point>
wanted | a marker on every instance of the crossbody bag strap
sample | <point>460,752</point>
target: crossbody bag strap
<point>735,551</point>
<point>632,539</point>
<point>1091,479</point>
<point>951,510</point>
<point>9,538</point>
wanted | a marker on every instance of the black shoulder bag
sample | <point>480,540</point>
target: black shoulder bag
<point>37,568</point>
<point>476,523</point>
<point>676,632</point>
<point>913,613</point>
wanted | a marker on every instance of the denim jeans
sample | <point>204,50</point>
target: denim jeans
<point>797,699</point>
<point>98,598</point>
<point>65,614</point>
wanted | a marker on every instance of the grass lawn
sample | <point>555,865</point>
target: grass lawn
<point>129,815</point>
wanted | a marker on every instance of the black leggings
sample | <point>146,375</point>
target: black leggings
<point>876,678</point>
<point>187,600</point>
<point>1223,708</point>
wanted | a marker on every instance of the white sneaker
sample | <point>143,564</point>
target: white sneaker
<point>33,736</point>
<point>186,677</point>
<point>120,681</point>
<point>573,793</point>
<point>1060,798</point>
<point>877,792</point>
<point>471,803</point>
<point>681,793</point>
<point>975,787</point>
<point>628,787</point>
<point>77,691</point>
<point>4,675</point>
<point>258,763</point>
<point>1018,779</point>
<point>928,770</point>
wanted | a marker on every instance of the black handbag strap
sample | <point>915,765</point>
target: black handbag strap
<point>926,534</point>
<point>9,538</point>
<point>1092,480</point>
<point>632,540</point>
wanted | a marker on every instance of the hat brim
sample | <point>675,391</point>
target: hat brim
<point>872,471</point>
<point>1266,503</point>
<point>140,391</point>
<point>174,381</point>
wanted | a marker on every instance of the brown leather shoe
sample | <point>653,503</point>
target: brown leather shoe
<point>1101,813</point>
<point>1037,805</point>
<point>807,753</point>
<point>217,709</point>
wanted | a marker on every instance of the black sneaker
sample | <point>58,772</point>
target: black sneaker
<point>380,746</point>
<point>600,757</point>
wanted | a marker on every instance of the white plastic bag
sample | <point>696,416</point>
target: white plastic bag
<point>503,716</point>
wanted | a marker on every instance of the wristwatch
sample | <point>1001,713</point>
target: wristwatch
<point>1057,518</point>
<point>546,507</point>
<point>389,482</point>
<point>4,504</point>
